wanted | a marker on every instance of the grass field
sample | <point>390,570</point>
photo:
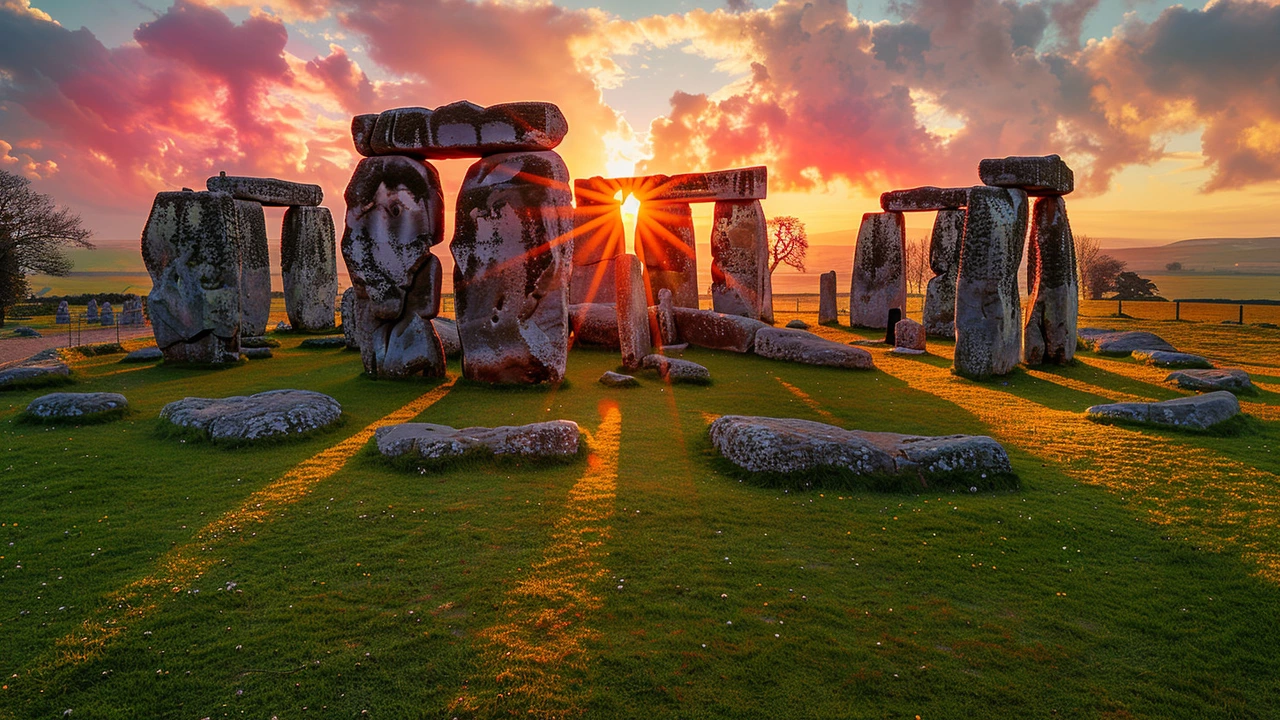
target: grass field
<point>1133,573</point>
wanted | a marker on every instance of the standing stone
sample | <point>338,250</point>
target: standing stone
<point>944,260</point>
<point>131,311</point>
<point>107,315</point>
<point>1050,332</point>
<point>511,268</point>
<point>599,237</point>
<point>828,314</point>
<point>91,311</point>
<point>191,246</point>
<point>666,316</point>
<point>766,305</point>
<point>879,280</point>
<point>395,214</point>
<point>988,311</point>
<point>665,243</point>
<point>255,269</point>
<point>309,266</point>
<point>909,335</point>
<point>739,258</point>
<point>633,312</point>
<point>347,313</point>
<point>63,316</point>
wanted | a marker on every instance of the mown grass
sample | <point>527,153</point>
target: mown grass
<point>1132,574</point>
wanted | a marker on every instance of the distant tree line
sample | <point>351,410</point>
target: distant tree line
<point>1101,274</point>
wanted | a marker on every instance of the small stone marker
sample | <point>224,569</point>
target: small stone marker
<point>91,311</point>
<point>270,414</point>
<point>804,347</point>
<point>1038,176</point>
<point>107,315</point>
<point>924,199</point>
<point>67,406</point>
<point>879,282</point>
<point>615,380</point>
<point>909,337</point>
<point>828,314</point>
<point>266,191</point>
<point>1198,412</point>
<point>555,438</point>
<point>309,267</point>
<point>1231,379</point>
<point>63,315</point>
<point>460,130</point>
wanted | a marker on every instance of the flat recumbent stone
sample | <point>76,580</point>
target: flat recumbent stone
<point>555,438</point>
<point>275,413</point>
<point>66,406</point>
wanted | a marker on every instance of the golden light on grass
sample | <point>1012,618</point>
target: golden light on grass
<point>544,630</point>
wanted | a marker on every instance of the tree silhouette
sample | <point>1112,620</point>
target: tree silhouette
<point>1129,286</point>
<point>788,242</point>
<point>33,235</point>
<point>1101,277</point>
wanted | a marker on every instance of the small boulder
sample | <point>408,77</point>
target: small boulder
<point>595,324</point>
<point>1198,412</point>
<point>256,353</point>
<point>1164,358</point>
<point>1231,379</point>
<point>798,324</point>
<point>1124,343</point>
<point>24,331</point>
<point>555,438</point>
<point>615,380</point>
<point>146,354</point>
<point>34,373</point>
<point>271,414</point>
<point>333,342</point>
<point>805,347</point>
<point>67,406</point>
<point>708,329</point>
<point>908,336</point>
<point>675,370</point>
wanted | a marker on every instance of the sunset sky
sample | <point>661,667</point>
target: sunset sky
<point>1170,115</point>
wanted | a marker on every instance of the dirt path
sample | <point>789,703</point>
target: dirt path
<point>16,349</point>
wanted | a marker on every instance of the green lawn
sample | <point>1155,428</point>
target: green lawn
<point>1133,574</point>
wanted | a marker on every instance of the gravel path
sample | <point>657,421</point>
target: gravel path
<point>16,349</point>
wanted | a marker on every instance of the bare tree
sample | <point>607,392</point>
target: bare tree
<point>1102,276</point>
<point>788,242</point>
<point>1087,252</point>
<point>33,235</point>
<point>916,264</point>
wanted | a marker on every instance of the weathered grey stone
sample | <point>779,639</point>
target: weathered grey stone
<point>828,313</point>
<point>665,244</point>
<point>23,331</point>
<point>66,406</point>
<point>798,324</point>
<point>1164,358</point>
<point>106,315</point>
<point>613,379</point>
<point>739,258</point>
<point>447,331</point>
<point>879,281</point>
<point>675,370</point>
<point>766,304</point>
<point>665,319</point>
<point>461,130</point>
<point>1049,335</point>
<point>91,311</point>
<point>131,313</point>
<point>1231,379</point>
<point>146,354</point>
<point>1198,412</point>
<point>555,438</point>
<point>32,371</point>
<point>262,341</point>
<point>804,347</point>
<point>598,234</point>
<point>255,269</point>
<point>634,337</point>
<point>595,324</point>
<point>750,183</point>
<point>924,199</point>
<point>988,308</point>
<point>788,445</point>
<point>63,315</point>
<point>266,191</point>
<point>1038,176</point>
<point>270,414</point>
<point>512,266</point>
<point>347,313</point>
<point>256,353</point>
<point>309,268</point>
<point>332,342</point>
<point>593,284</point>
<point>191,247</point>
<point>1124,343</point>
<point>909,335</point>
<point>395,214</point>
<point>709,329</point>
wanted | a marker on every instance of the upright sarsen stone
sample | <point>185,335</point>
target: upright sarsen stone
<point>739,258</point>
<point>512,253</point>
<point>944,260</point>
<point>91,311</point>
<point>828,313</point>
<point>665,244</point>
<point>63,316</point>
<point>309,266</point>
<point>988,310</point>
<point>879,279</point>
<point>255,269</point>
<point>599,237</point>
<point>107,315</point>
<point>1050,332</point>
<point>191,247</point>
<point>634,336</point>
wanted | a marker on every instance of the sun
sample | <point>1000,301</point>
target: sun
<point>630,211</point>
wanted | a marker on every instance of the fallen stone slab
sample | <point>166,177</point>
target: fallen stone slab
<point>1124,343</point>
<point>256,353</point>
<point>924,199</point>
<point>1038,176</point>
<point>146,354</point>
<point>460,130</point>
<point>717,331</point>
<point>268,192</point>
<point>788,445</point>
<point>1164,358</point>
<point>613,379</point>
<point>552,439</point>
<point>1230,379</point>
<point>24,331</point>
<point>798,324</point>
<point>271,414</point>
<point>1199,412</point>
<point>69,406</point>
<point>805,347</point>
<point>34,373</point>
<point>595,324</point>
<point>675,370</point>
<point>324,343</point>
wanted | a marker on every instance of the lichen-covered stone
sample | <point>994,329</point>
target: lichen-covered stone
<point>924,199</point>
<point>131,314</point>
<point>664,318</point>
<point>1165,358</point>
<point>675,370</point>
<point>91,310</point>
<point>512,266</point>
<point>63,315</point>
<point>32,371</point>
<point>665,244</point>
<point>616,380</point>
<point>309,268</point>
<point>191,247</point>
<point>634,337</point>
<point>828,312</point>
<point>106,315</point>
<point>1198,412</point>
<point>750,183</point>
<point>1207,380</point>
<point>266,191</point>
<point>909,334</point>
<point>1038,176</point>
<point>68,406</point>
<point>739,258</point>
<point>717,331</point>
<point>347,313</point>
<point>788,445</point>
<point>555,438</point>
<point>460,130</point>
<point>1049,335</point>
<point>595,324</point>
<point>270,414</point>
<point>804,347</point>
<point>944,260</point>
<point>988,307</point>
<point>1122,343</point>
<point>255,269</point>
<point>879,281</point>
